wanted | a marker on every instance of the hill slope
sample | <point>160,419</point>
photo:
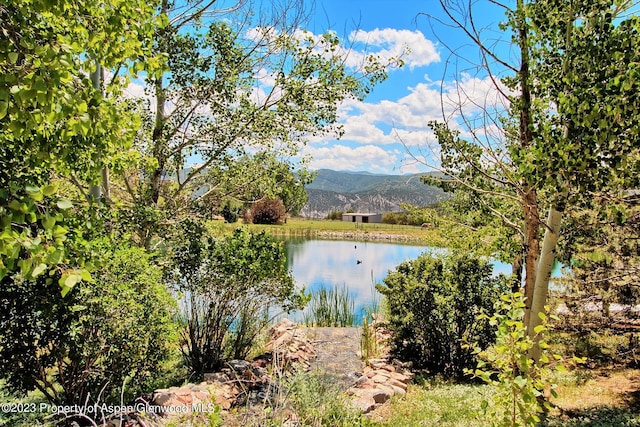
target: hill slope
<point>366,192</point>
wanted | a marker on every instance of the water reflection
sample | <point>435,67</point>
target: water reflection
<point>358,265</point>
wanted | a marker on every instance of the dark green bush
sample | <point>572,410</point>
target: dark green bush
<point>433,305</point>
<point>87,344</point>
<point>231,213</point>
<point>268,211</point>
<point>335,215</point>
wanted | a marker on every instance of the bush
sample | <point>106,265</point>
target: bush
<point>335,215</point>
<point>434,303</point>
<point>268,211</point>
<point>86,345</point>
<point>229,286</point>
<point>231,213</point>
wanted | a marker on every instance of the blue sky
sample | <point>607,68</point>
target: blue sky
<point>384,133</point>
<point>388,133</point>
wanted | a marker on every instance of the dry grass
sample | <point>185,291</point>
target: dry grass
<point>590,388</point>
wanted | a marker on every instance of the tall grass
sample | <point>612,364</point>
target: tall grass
<point>331,306</point>
<point>369,346</point>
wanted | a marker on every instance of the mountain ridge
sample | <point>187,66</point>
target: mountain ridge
<point>366,192</point>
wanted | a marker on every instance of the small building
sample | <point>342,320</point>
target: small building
<point>362,217</point>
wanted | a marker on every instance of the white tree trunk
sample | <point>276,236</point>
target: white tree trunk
<point>543,275</point>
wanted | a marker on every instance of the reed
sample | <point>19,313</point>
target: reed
<point>369,345</point>
<point>331,306</point>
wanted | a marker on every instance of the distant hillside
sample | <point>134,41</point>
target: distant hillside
<point>366,192</point>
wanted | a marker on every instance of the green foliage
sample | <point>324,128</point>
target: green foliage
<point>520,383</point>
<point>585,61</point>
<point>35,236</point>
<point>231,213</point>
<point>602,246</point>
<point>229,286</point>
<point>411,215</point>
<point>335,216</point>
<point>268,211</point>
<point>54,121</point>
<point>438,403</point>
<point>603,347</point>
<point>222,108</point>
<point>331,306</point>
<point>253,177</point>
<point>318,401</point>
<point>113,330</point>
<point>434,305</point>
<point>570,131</point>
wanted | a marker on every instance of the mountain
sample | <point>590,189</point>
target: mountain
<point>366,192</point>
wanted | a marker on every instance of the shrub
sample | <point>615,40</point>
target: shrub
<point>86,345</point>
<point>335,215</point>
<point>231,212</point>
<point>519,383</point>
<point>229,285</point>
<point>434,303</point>
<point>268,211</point>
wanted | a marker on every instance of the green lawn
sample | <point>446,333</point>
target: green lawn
<point>315,228</point>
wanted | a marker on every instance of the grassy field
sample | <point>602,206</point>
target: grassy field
<point>314,228</point>
<point>586,398</point>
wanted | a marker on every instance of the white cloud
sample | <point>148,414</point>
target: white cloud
<point>362,131</point>
<point>412,46</point>
<point>341,157</point>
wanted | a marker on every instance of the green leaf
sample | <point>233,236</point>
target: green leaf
<point>520,381</point>
<point>86,276</point>
<point>39,269</point>
<point>48,223</point>
<point>49,190</point>
<point>64,204</point>
<point>68,281</point>
<point>3,109</point>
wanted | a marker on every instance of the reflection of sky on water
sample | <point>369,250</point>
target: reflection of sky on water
<point>331,262</point>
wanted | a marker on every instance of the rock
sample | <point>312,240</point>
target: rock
<point>386,388</point>
<point>380,378</point>
<point>216,377</point>
<point>396,383</point>
<point>162,397</point>
<point>381,396</point>
<point>364,403</point>
<point>396,389</point>
<point>400,377</point>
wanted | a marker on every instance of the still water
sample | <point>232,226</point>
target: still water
<point>357,265</point>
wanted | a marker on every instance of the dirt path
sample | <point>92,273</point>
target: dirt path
<point>338,353</point>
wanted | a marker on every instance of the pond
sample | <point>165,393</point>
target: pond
<point>356,265</point>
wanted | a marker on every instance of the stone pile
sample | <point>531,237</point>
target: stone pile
<point>380,381</point>
<point>220,388</point>
<point>289,347</point>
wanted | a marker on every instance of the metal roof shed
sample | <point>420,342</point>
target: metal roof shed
<point>362,217</point>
